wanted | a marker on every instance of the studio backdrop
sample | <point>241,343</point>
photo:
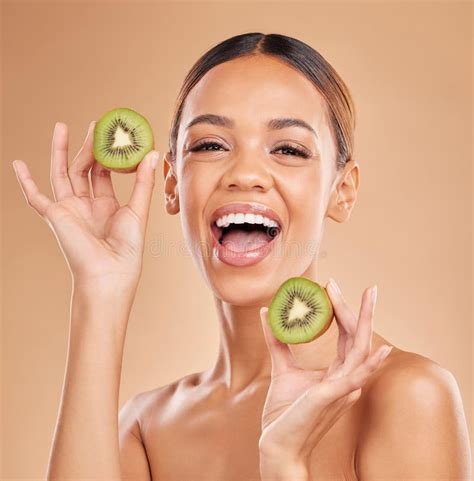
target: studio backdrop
<point>408,67</point>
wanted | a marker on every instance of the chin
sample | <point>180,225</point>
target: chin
<point>253,285</point>
<point>243,289</point>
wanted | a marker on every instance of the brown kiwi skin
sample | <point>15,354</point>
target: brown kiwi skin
<point>328,324</point>
<point>123,171</point>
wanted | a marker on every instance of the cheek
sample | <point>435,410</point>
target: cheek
<point>304,197</point>
<point>195,189</point>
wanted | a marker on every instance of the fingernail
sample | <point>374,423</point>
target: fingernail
<point>154,159</point>
<point>373,294</point>
<point>56,125</point>
<point>334,287</point>
<point>263,310</point>
<point>14,166</point>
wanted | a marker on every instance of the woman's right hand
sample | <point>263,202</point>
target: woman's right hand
<point>102,242</point>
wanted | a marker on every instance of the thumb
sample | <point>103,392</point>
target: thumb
<point>282,358</point>
<point>144,182</point>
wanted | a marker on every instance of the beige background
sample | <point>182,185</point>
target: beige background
<point>408,66</point>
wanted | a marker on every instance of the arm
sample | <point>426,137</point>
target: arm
<point>85,443</point>
<point>133,457</point>
<point>103,244</point>
<point>417,428</point>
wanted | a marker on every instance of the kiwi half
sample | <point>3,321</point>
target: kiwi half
<point>300,311</point>
<point>122,138</point>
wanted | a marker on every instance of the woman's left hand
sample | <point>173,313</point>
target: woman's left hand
<point>303,404</point>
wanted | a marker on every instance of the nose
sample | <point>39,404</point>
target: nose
<point>247,172</point>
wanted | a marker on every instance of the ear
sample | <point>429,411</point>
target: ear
<point>344,193</point>
<point>171,185</point>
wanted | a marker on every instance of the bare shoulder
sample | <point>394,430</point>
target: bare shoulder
<point>410,381</point>
<point>151,404</point>
<point>417,376</point>
<point>412,405</point>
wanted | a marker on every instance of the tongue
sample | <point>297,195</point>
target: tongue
<point>239,240</point>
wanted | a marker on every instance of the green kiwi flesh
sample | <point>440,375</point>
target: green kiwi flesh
<point>300,311</point>
<point>122,138</point>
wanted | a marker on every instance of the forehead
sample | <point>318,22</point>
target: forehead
<point>253,89</point>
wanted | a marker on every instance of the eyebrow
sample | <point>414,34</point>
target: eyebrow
<point>273,124</point>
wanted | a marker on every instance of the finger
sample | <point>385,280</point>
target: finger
<point>346,320</point>
<point>308,410</point>
<point>34,198</point>
<point>102,182</point>
<point>342,341</point>
<point>81,165</point>
<point>336,364</point>
<point>143,188</point>
<point>357,377</point>
<point>281,356</point>
<point>60,181</point>
<point>363,338</point>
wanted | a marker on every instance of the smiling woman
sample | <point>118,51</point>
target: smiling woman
<point>260,157</point>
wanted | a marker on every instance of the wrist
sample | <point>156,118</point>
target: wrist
<point>277,468</point>
<point>102,305</point>
<point>111,287</point>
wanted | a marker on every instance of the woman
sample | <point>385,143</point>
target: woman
<point>263,125</point>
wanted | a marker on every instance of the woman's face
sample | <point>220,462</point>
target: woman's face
<point>247,167</point>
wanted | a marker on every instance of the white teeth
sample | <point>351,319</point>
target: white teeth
<point>249,219</point>
<point>241,218</point>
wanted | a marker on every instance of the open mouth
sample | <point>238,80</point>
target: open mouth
<point>242,236</point>
<point>244,233</point>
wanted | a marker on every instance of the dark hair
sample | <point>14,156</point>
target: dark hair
<point>294,52</point>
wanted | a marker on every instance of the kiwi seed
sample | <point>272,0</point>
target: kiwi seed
<point>300,311</point>
<point>122,138</point>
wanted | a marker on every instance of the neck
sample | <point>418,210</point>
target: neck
<point>243,356</point>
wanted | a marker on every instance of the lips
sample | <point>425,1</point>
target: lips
<point>244,245</point>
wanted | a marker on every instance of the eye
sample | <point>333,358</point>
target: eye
<point>204,146</point>
<point>297,152</point>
